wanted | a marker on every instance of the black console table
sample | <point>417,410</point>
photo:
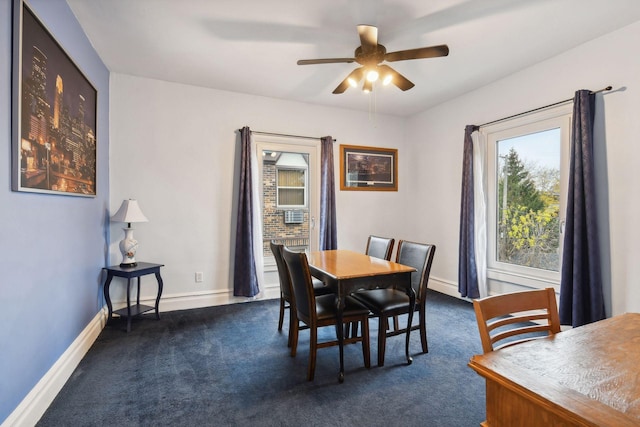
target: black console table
<point>142,269</point>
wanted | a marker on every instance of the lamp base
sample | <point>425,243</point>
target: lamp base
<point>128,247</point>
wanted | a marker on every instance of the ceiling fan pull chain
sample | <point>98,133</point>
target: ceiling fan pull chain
<point>373,107</point>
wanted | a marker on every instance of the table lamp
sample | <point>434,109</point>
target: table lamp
<point>129,212</point>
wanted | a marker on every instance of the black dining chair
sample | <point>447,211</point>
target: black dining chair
<point>286,293</point>
<point>379,247</point>
<point>319,311</point>
<point>386,303</point>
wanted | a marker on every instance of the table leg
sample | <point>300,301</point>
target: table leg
<point>129,304</point>
<point>138,294</point>
<point>160,285</point>
<point>107,297</point>
<point>340,330</point>
<point>412,307</point>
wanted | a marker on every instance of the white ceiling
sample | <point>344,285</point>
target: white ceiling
<point>251,46</point>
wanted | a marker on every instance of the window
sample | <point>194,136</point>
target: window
<point>292,188</point>
<point>528,161</point>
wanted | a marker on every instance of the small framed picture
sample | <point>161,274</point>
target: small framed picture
<point>368,168</point>
<point>54,114</point>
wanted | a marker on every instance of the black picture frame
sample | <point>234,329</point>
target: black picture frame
<point>368,168</point>
<point>54,114</point>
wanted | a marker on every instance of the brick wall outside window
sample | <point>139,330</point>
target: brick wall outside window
<point>295,236</point>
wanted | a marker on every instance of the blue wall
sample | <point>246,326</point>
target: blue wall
<point>52,247</point>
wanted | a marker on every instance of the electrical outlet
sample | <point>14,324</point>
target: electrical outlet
<point>198,276</point>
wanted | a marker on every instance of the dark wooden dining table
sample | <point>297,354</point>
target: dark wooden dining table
<point>586,376</point>
<point>346,271</point>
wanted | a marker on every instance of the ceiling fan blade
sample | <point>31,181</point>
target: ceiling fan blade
<point>355,76</point>
<point>397,79</point>
<point>325,61</point>
<point>420,53</point>
<point>368,37</point>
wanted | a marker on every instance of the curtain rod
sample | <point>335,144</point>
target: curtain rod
<point>286,135</point>
<point>539,108</point>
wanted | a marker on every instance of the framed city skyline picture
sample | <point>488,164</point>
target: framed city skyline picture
<point>368,168</point>
<point>53,115</point>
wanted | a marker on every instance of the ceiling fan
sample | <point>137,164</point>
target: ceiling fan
<point>370,56</point>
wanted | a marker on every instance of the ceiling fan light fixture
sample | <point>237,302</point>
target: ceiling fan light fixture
<point>355,77</point>
<point>372,57</point>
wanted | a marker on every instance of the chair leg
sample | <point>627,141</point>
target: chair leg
<point>292,320</point>
<point>313,348</point>
<point>294,327</point>
<point>423,332</point>
<point>281,314</point>
<point>396,323</point>
<point>382,338</point>
<point>365,342</point>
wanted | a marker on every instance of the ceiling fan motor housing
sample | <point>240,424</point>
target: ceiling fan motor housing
<point>371,58</point>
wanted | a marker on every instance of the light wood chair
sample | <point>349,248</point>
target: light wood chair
<point>509,319</point>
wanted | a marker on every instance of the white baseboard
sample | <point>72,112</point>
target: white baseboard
<point>34,405</point>
<point>188,301</point>
<point>445,287</point>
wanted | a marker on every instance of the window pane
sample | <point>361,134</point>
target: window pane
<point>528,200</point>
<point>290,178</point>
<point>291,197</point>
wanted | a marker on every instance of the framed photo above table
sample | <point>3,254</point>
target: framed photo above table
<point>368,168</point>
<point>53,114</point>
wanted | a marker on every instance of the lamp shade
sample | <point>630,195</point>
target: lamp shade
<point>129,212</point>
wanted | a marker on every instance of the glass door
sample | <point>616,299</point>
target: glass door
<point>289,190</point>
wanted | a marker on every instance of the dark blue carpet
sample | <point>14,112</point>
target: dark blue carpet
<point>229,366</point>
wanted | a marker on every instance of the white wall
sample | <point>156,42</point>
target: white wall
<point>175,150</point>
<point>436,136</point>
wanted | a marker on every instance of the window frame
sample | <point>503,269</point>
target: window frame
<point>552,118</point>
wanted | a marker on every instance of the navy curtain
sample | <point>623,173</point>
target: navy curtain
<point>467,270</point>
<point>581,295</point>
<point>245,278</point>
<point>328,221</point>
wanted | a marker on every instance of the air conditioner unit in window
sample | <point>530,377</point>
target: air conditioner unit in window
<point>293,217</point>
